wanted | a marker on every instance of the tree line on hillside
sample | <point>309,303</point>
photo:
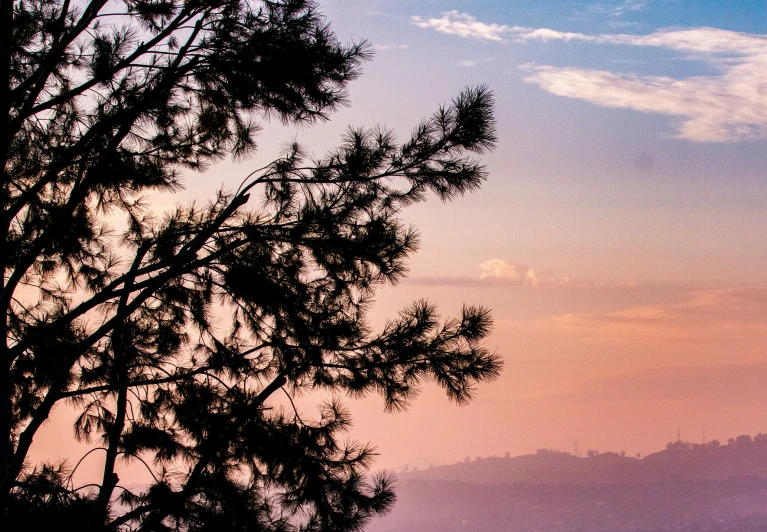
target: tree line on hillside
<point>743,439</point>
<point>679,445</point>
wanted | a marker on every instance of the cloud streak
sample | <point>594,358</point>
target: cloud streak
<point>618,10</point>
<point>709,384</point>
<point>629,5</point>
<point>499,272</point>
<point>706,315</point>
<point>730,106</point>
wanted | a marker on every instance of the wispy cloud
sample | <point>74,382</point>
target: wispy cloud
<point>622,24</point>
<point>629,5</point>
<point>726,107</point>
<point>501,272</point>
<point>730,384</point>
<point>706,315</point>
<point>464,25</point>
<point>702,40</point>
<point>618,9</point>
<point>467,63</point>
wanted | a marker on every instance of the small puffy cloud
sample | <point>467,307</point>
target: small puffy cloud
<point>467,63</point>
<point>464,25</point>
<point>519,274</point>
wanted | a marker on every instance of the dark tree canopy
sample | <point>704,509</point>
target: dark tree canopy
<point>171,334</point>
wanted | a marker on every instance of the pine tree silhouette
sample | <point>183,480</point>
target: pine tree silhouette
<point>172,335</point>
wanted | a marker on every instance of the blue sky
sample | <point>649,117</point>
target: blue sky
<point>567,165</point>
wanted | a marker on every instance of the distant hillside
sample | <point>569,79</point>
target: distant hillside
<point>687,487</point>
<point>742,457</point>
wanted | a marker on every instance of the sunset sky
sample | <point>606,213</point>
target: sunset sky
<point>621,238</point>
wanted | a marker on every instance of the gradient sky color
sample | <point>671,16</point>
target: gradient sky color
<point>621,239</point>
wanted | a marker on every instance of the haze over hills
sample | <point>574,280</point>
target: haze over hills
<point>745,456</point>
<point>694,487</point>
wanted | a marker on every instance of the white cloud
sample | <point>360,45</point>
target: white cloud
<point>467,63</point>
<point>701,40</point>
<point>464,25</point>
<point>727,107</point>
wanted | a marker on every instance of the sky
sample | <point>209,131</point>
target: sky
<point>620,240</point>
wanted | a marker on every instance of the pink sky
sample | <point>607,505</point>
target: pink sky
<point>620,241</point>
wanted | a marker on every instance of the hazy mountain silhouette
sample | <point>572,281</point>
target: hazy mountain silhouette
<point>689,461</point>
<point>685,487</point>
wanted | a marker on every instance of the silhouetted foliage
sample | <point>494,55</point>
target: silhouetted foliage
<point>171,334</point>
